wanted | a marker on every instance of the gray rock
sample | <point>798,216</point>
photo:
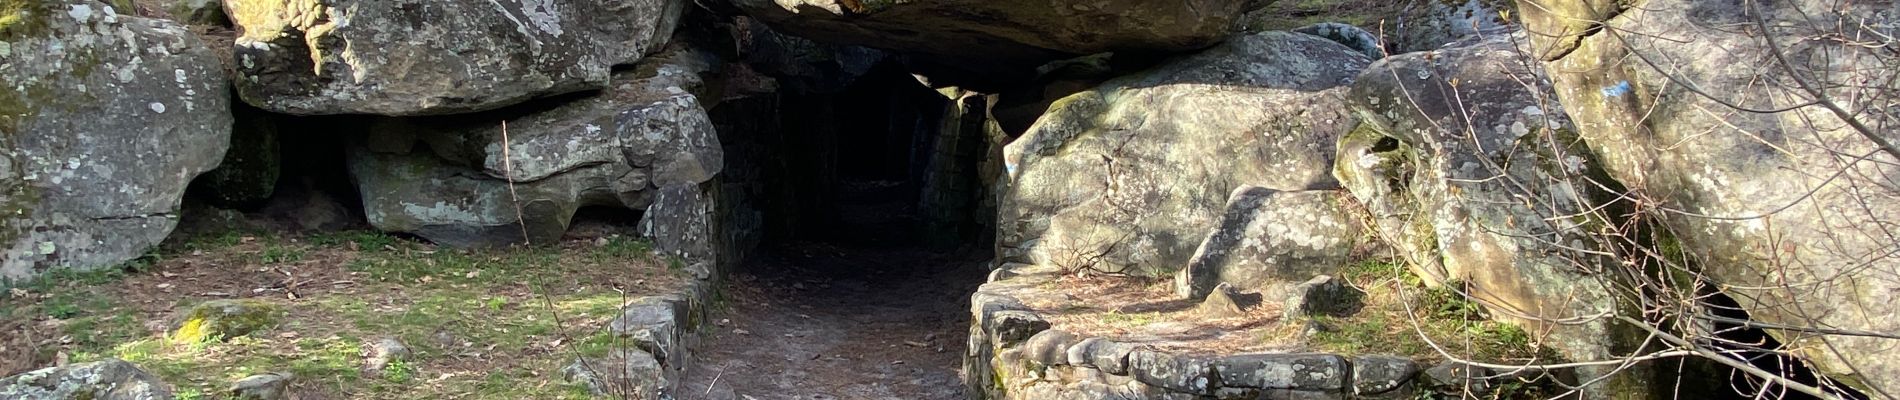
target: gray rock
<point>681,221</point>
<point>111,379</point>
<point>1322,295</point>
<point>445,178</point>
<point>1768,204</point>
<point>108,118</point>
<point>1267,237</point>
<point>1049,348</point>
<point>436,57</point>
<point>1377,374</point>
<point>270,386</point>
<point>1301,372</point>
<point>1178,373</point>
<point>1133,174</point>
<point>377,355</point>
<point>1430,24</point>
<point>625,373</point>
<point>1102,354</point>
<point>1012,327</point>
<point>988,41</point>
<point>1226,301</point>
<point>653,324</point>
<point>1352,36</point>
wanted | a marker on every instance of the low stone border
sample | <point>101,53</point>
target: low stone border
<point>1014,354</point>
<point>660,333</point>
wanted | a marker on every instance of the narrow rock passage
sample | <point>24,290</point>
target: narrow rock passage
<point>820,321</point>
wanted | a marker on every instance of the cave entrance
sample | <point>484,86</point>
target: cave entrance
<point>875,234</point>
<point>882,162</point>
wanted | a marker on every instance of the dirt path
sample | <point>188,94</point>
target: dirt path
<point>822,322</point>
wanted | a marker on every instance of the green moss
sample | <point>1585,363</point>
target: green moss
<point>224,319</point>
<point>19,18</point>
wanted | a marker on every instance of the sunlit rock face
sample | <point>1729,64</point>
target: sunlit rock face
<point>1132,175</point>
<point>1791,211</point>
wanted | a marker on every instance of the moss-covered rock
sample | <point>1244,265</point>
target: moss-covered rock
<point>218,320</point>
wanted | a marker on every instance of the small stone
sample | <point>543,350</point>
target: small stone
<point>1226,301</point>
<point>1379,374</point>
<point>271,386</point>
<point>385,350</point>
<point>223,319</point>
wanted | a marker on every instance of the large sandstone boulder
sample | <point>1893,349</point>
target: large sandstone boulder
<point>1269,238</point>
<point>1134,173</point>
<point>112,379</point>
<point>1002,40</point>
<point>1474,175</point>
<point>1785,204</point>
<point>416,57</point>
<point>106,118</point>
<point>447,179</point>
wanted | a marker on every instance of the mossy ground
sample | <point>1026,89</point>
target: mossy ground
<point>495,324</point>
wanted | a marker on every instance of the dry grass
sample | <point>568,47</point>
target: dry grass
<point>477,320</point>
<point>1145,310</point>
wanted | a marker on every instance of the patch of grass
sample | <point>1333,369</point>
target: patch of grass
<point>477,322</point>
<point>1402,314</point>
<point>398,371</point>
<point>276,253</point>
<point>368,241</point>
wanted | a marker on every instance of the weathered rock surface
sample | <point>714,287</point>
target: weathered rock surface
<point>1267,236</point>
<point>447,179</point>
<point>1430,24</point>
<point>1352,36</point>
<point>1792,212</point>
<point>224,319</point>
<point>1133,174</point>
<point>625,373</point>
<point>112,379</point>
<point>802,65</point>
<point>415,57</point>
<point>268,386</point>
<point>379,354</point>
<point>1014,354</point>
<point>1478,182</point>
<point>107,117</point>
<point>1001,41</point>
